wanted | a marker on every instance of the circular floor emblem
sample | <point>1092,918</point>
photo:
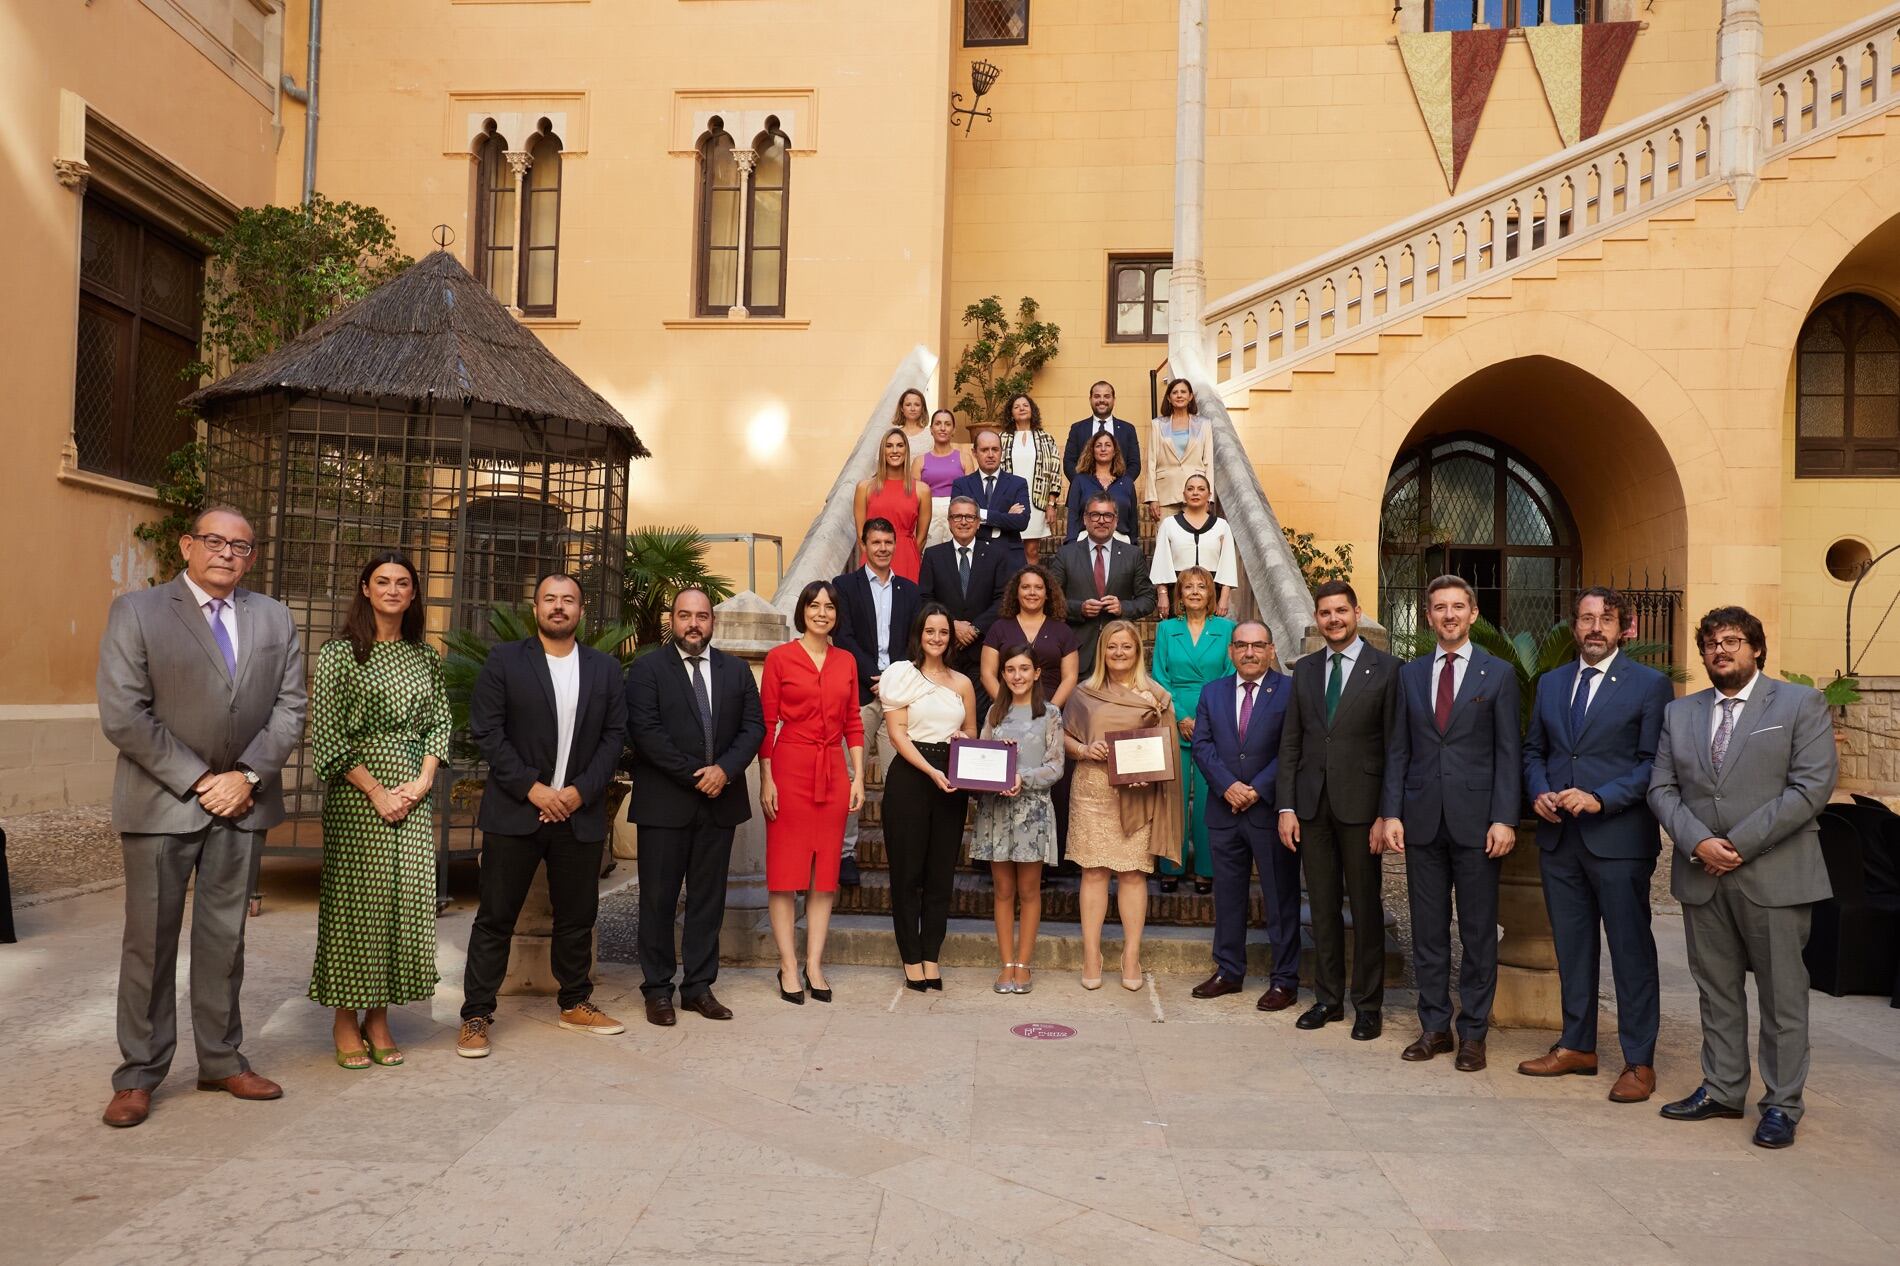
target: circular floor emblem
<point>1042,1032</point>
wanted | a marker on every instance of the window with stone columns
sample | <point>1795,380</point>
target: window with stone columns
<point>743,221</point>
<point>517,244</point>
<point>1847,391</point>
<point>1465,15</point>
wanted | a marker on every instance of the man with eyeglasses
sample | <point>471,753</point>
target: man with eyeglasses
<point>1587,763</point>
<point>1102,577</point>
<point>201,688</point>
<point>1743,771</point>
<point>967,576</point>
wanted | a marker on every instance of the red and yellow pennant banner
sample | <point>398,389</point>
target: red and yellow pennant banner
<point>1580,66</point>
<point>1452,73</point>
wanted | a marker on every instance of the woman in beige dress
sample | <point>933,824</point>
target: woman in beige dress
<point>1180,443</point>
<point>1114,830</point>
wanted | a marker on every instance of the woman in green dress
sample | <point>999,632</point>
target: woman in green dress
<point>379,727</point>
<point>1190,651</point>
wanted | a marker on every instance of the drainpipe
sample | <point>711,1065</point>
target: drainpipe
<point>307,97</point>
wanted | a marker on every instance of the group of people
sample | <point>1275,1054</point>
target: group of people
<point>1354,756</point>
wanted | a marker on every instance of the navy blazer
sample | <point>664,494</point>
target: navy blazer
<point>1126,439</point>
<point>668,744</point>
<point>989,570</point>
<point>1611,759</point>
<point>1466,778</point>
<point>1000,525</point>
<point>511,718</point>
<point>1224,760</point>
<point>857,624</point>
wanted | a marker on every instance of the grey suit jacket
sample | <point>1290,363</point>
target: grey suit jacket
<point>1074,569</point>
<point>1775,780</point>
<point>167,704</point>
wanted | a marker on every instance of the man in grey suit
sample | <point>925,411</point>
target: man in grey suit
<point>1103,579</point>
<point>1742,771</point>
<point>201,688</point>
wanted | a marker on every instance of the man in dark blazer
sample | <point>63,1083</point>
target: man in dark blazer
<point>1743,770</point>
<point>694,722</point>
<point>876,608</point>
<point>1102,418</point>
<point>1450,804</point>
<point>1002,500</point>
<point>1236,744</point>
<point>1343,703</point>
<point>550,717</point>
<point>1587,762</point>
<point>967,576</point>
<point>1102,578</point>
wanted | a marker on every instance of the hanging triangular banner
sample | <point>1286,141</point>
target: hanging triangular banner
<point>1580,66</point>
<point>1452,73</point>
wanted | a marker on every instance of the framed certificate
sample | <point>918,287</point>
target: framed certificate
<point>982,765</point>
<point>1139,755</point>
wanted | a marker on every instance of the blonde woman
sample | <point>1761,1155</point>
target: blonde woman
<point>912,409</point>
<point>891,494</point>
<point>939,466</point>
<point>1118,831</point>
<point>1180,444</point>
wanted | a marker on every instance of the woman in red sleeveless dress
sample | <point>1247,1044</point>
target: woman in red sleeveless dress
<point>892,494</point>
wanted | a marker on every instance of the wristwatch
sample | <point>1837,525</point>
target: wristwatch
<point>250,776</point>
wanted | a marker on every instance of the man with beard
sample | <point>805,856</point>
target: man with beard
<point>1101,420</point>
<point>1587,762</point>
<point>695,723</point>
<point>550,718</point>
<point>1743,769</point>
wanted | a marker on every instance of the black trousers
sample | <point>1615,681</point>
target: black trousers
<point>697,856</point>
<point>923,833</point>
<point>508,866</point>
<point>1337,860</point>
<point>1434,871</point>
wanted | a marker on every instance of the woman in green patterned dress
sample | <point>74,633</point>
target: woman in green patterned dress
<point>379,727</point>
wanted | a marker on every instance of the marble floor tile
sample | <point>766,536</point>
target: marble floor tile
<point>51,1205</point>
<point>272,1203</point>
<point>1118,1114</point>
<point>1135,1184</point>
<point>1326,1246</point>
<point>912,1233</point>
<point>1211,1119</point>
<point>755,1219</point>
<point>1255,1187</point>
<point>571,1211</point>
<point>969,1192</point>
<point>922,1114</point>
<point>1098,1237</point>
<point>1404,1123</point>
<point>1515,1248</point>
<point>1498,1193</point>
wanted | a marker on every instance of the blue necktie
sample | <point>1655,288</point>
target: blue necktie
<point>223,638</point>
<point>1580,702</point>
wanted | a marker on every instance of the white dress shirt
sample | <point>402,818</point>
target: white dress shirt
<point>565,670</point>
<point>1457,669</point>
<point>227,617</point>
<point>881,604</point>
<point>1741,706</point>
<point>1596,682</point>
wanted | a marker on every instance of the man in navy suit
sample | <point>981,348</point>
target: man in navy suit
<point>966,575</point>
<point>1450,804</point>
<point>1236,744</point>
<point>876,608</point>
<point>1587,763</point>
<point>1102,418</point>
<point>1002,501</point>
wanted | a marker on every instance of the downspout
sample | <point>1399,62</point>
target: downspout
<point>306,96</point>
<point>1278,590</point>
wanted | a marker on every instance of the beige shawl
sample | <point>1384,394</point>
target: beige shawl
<point>1090,714</point>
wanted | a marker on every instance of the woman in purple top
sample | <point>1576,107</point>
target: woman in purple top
<point>1025,618</point>
<point>939,466</point>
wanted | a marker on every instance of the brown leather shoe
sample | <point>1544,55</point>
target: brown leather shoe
<point>246,1085</point>
<point>1278,998</point>
<point>708,1006</point>
<point>1427,1045</point>
<point>1560,1061</point>
<point>128,1108</point>
<point>1470,1056</point>
<point>1637,1083</point>
<point>660,1012</point>
<point>1216,986</point>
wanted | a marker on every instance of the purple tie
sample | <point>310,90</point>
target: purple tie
<point>223,638</point>
<point>1246,708</point>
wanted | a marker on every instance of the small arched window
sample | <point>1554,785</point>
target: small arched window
<point>1847,391</point>
<point>744,205</point>
<point>494,255</point>
<point>541,223</point>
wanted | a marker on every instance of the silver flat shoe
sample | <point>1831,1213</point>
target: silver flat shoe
<point>1024,986</point>
<point>1004,986</point>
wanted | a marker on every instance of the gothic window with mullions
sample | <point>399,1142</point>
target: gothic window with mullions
<point>1466,15</point>
<point>518,218</point>
<point>1847,391</point>
<point>744,217</point>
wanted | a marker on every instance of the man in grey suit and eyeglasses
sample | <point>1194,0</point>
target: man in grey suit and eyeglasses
<point>201,688</point>
<point>1743,770</point>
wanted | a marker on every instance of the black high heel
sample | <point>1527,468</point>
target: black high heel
<point>1170,885</point>
<point>918,985</point>
<point>1203,886</point>
<point>796,999</point>
<point>936,984</point>
<point>822,995</point>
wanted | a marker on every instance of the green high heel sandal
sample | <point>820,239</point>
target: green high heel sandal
<point>387,1056</point>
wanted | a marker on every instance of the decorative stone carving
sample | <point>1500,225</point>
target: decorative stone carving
<point>73,173</point>
<point>519,160</point>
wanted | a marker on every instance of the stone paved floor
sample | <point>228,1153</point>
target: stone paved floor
<point>895,1127</point>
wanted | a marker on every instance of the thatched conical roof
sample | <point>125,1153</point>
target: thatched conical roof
<point>431,332</point>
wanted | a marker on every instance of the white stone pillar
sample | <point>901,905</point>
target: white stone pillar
<point>519,160</point>
<point>1187,277</point>
<point>745,159</point>
<point>1738,55</point>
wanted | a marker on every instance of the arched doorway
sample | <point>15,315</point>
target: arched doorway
<point>1470,506</point>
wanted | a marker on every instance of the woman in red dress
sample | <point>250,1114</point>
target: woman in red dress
<point>892,494</point>
<point>810,696</point>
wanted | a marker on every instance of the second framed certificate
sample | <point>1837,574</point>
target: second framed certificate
<point>982,765</point>
<point>1139,755</point>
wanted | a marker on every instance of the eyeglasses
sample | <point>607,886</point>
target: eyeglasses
<point>1727,645</point>
<point>1600,621</point>
<point>1099,514</point>
<point>218,544</point>
<point>1252,646</point>
<point>963,518</point>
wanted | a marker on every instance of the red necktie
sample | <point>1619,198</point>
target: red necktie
<point>1101,570</point>
<point>1246,708</point>
<point>1443,709</point>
